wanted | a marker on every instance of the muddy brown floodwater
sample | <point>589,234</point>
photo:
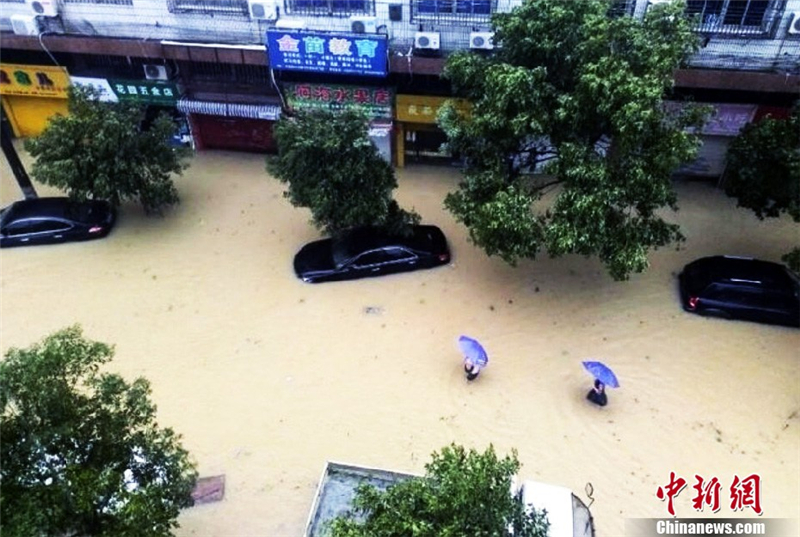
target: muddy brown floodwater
<point>267,377</point>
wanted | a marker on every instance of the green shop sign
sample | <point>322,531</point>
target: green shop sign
<point>375,102</point>
<point>145,91</point>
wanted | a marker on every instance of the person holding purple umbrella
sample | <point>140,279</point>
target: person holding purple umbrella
<point>603,376</point>
<point>475,356</point>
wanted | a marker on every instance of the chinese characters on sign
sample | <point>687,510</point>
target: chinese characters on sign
<point>376,102</point>
<point>424,108</point>
<point>729,119</point>
<point>34,80</point>
<point>744,493</point>
<point>361,54</point>
<point>145,91</point>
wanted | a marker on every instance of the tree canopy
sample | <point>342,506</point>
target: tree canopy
<point>332,167</point>
<point>462,493</point>
<point>763,170</point>
<point>100,150</point>
<point>571,100</point>
<point>82,453</point>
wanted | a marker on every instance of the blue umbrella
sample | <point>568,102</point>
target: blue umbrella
<point>602,373</point>
<point>473,351</point>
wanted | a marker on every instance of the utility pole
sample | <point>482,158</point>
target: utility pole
<point>10,151</point>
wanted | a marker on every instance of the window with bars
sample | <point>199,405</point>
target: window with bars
<point>108,2</point>
<point>732,16</point>
<point>234,7</point>
<point>330,8</point>
<point>104,2</point>
<point>621,7</point>
<point>452,10</point>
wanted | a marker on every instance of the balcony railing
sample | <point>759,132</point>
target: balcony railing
<point>735,18</point>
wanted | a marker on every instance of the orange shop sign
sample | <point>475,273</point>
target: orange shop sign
<point>34,80</point>
<point>423,108</point>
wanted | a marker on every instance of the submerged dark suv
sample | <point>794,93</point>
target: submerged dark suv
<point>741,288</point>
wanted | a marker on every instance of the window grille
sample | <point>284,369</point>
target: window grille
<point>453,11</point>
<point>257,75</point>
<point>103,2</point>
<point>330,8</point>
<point>233,7</point>
<point>621,7</point>
<point>734,17</point>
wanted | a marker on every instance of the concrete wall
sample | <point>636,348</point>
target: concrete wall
<point>152,20</point>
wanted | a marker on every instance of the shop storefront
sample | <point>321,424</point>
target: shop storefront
<point>374,102</point>
<point>417,136</point>
<point>354,55</point>
<point>157,96</point>
<point>230,125</point>
<point>31,95</point>
<point>725,123</point>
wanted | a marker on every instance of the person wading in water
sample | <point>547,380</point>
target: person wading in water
<point>471,370</point>
<point>597,395</point>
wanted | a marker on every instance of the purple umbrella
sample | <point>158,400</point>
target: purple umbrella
<point>473,351</point>
<point>603,373</point>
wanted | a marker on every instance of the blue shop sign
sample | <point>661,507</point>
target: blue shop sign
<point>343,54</point>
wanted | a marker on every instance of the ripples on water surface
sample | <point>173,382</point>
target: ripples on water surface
<point>267,377</point>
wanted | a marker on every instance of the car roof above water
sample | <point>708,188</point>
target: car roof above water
<point>740,270</point>
<point>56,207</point>
<point>362,239</point>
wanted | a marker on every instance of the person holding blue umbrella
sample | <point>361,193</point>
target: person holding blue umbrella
<point>475,356</point>
<point>603,376</point>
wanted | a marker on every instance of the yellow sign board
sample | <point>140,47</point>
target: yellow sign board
<point>423,108</point>
<point>34,80</point>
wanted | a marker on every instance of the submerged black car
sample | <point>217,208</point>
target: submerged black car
<point>51,220</point>
<point>371,252</point>
<point>741,288</point>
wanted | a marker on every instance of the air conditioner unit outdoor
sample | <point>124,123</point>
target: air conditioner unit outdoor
<point>42,8</point>
<point>481,40</point>
<point>155,72</point>
<point>426,40</point>
<point>360,24</point>
<point>262,10</point>
<point>794,25</point>
<point>25,24</point>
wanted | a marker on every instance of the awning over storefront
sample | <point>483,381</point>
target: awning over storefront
<point>269,112</point>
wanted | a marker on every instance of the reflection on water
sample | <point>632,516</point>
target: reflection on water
<point>267,377</point>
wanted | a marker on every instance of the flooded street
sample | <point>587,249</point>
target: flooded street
<point>267,377</point>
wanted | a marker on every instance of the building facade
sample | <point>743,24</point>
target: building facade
<point>213,66</point>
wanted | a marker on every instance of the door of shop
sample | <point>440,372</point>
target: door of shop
<point>239,134</point>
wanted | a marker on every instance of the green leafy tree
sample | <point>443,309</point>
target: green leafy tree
<point>332,167</point>
<point>571,102</point>
<point>81,452</point>
<point>763,171</point>
<point>100,151</point>
<point>462,493</point>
